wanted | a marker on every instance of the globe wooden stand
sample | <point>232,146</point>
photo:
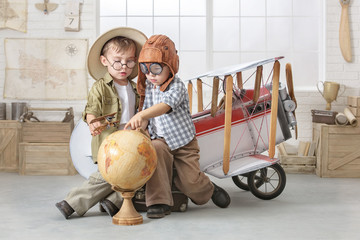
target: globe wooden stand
<point>127,214</point>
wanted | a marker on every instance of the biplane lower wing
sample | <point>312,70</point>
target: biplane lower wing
<point>242,165</point>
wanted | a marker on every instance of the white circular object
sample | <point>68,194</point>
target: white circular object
<point>80,150</point>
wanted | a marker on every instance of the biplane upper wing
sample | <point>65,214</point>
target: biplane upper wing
<point>241,67</point>
<point>235,68</point>
<point>198,76</point>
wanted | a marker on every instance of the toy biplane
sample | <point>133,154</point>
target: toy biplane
<point>236,132</point>
<point>106,122</point>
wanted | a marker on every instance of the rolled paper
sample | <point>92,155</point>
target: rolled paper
<point>351,118</point>
<point>341,119</point>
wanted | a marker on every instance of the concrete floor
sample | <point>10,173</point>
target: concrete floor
<point>309,208</point>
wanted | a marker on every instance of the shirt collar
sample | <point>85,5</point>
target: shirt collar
<point>107,78</point>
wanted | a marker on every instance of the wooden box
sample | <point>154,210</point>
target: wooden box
<point>47,132</point>
<point>353,101</point>
<point>9,144</point>
<point>298,164</point>
<point>45,159</point>
<point>338,151</point>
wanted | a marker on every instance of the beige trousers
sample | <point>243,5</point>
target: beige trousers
<point>93,190</point>
<point>189,179</point>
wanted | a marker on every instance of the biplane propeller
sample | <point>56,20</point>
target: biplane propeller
<point>106,122</point>
<point>290,84</point>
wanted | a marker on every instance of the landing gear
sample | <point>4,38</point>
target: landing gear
<point>267,183</point>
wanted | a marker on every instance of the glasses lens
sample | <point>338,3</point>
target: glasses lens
<point>131,64</point>
<point>143,68</point>
<point>155,68</point>
<point>117,65</point>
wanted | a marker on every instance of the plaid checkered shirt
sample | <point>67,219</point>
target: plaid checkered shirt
<point>176,126</point>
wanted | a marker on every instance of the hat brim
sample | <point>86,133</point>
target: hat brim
<point>95,67</point>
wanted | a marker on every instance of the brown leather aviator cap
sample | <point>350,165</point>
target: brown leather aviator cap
<point>159,49</point>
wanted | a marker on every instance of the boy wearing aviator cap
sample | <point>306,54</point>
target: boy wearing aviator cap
<point>166,115</point>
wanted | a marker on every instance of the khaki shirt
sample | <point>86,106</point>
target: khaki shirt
<point>103,100</point>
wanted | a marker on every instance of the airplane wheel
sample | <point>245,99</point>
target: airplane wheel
<point>272,179</point>
<point>242,181</point>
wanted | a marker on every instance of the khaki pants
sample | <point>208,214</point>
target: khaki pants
<point>189,179</point>
<point>93,190</point>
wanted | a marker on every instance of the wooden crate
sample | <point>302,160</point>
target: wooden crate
<point>338,151</point>
<point>9,145</point>
<point>45,159</point>
<point>298,164</point>
<point>355,111</point>
<point>47,132</point>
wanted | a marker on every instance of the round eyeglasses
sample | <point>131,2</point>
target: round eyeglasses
<point>154,68</point>
<point>117,65</point>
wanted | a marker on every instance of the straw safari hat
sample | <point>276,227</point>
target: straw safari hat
<point>95,68</point>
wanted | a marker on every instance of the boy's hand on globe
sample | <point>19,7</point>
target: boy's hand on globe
<point>135,122</point>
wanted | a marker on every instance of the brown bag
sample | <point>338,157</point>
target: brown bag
<point>180,201</point>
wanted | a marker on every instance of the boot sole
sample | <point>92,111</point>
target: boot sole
<point>158,215</point>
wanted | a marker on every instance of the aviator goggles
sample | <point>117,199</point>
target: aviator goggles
<point>154,68</point>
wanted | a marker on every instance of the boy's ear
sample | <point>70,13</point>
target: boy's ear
<point>103,61</point>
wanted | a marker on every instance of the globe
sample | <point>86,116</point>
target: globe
<point>127,159</point>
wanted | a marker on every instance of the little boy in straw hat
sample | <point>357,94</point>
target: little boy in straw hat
<point>112,63</point>
<point>166,115</point>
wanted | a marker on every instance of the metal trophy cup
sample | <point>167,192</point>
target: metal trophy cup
<point>330,92</point>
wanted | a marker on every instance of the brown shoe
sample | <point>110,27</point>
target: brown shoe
<point>109,207</point>
<point>65,209</point>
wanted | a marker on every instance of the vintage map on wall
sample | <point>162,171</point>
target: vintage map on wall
<point>45,69</point>
<point>13,14</point>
